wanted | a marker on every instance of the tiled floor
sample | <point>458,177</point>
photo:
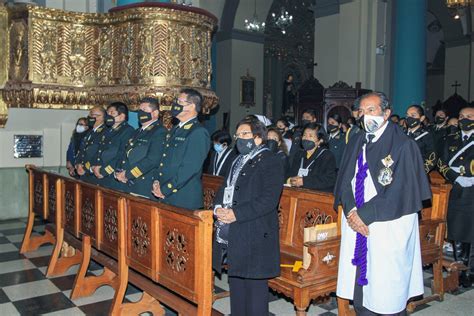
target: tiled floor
<point>24,290</point>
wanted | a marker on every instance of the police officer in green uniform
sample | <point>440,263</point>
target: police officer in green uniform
<point>143,151</point>
<point>457,166</point>
<point>112,146</point>
<point>87,153</point>
<point>337,139</point>
<point>186,147</point>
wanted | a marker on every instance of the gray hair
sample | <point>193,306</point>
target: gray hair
<point>384,102</point>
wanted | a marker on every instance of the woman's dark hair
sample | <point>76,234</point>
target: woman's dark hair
<point>284,121</point>
<point>418,108</point>
<point>336,117</point>
<point>221,137</point>
<point>282,146</point>
<point>320,132</point>
<point>120,107</point>
<point>257,128</point>
<point>77,123</point>
<point>311,112</point>
<point>351,120</point>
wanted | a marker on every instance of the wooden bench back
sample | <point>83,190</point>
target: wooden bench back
<point>436,178</point>
<point>169,245</point>
<point>299,208</point>
<point>438,208</point>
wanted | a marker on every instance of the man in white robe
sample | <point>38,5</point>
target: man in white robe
<point>380,205</point>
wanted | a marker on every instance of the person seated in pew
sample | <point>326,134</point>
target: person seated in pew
<point>222,154</point>
<point>247,234</point>
<point>90,145</point>
<point>143,151</point>
<point>112,146</point>
<point>422,137</point>
<point>315,167</point>
<point>277,145</point>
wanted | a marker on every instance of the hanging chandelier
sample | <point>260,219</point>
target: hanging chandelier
<point>253,24</point>
<point>458,4</point>
<point>283,20</point>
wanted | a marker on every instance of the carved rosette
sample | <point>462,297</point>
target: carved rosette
<point>88,215</point>
<point>140,236</point>
<point>69,206</point>
<point>314,217</point>
<point>70,60</point>
<point>52,198</point>
<point>176,251</point>
<point>110,223</point>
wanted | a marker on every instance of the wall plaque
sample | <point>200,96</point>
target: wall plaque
<point>28,146</point>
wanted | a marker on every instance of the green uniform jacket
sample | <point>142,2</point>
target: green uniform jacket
<point>88,150</point>
<point>180,169</point>
<point>142,154</point>
<point>111,149</point>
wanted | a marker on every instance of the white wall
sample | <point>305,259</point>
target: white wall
<point>234,57</point>
<point>56,127</point>
<point>456,68</point>
<point>74,5</point>
<point>345,45</point>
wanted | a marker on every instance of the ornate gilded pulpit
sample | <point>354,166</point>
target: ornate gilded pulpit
<point>54,59</point>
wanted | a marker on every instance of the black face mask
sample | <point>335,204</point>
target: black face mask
<point>308,144</point>
<point>272,145</point>
<point>332,128</point>
<point>144,117</point>
<point>281,130</point>
<point>452,129</point>
<point>176,109</point>
<point>412,122</point>
<point>466,124</point>
<point>439,120</point>
<point>109,120</point>
<point>245,146</point>
<point>304,122</point>
<point>91,121</point>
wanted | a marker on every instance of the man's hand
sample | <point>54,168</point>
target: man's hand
<point>157,190</point>
<point>96,170</point>
<point>70,169</point>
<point>120,176</point>
<point>357,224</point>
<point>296,181</point>
<point>225,215</point>
<point>80,169</point>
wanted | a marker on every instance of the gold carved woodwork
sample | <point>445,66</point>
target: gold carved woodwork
<point>55,59</point>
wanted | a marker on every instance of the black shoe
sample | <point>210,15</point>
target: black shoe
<point>466,279</point>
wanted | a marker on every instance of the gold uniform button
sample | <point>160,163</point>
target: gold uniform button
<point>167,145</point>
<point>170,185</point>
<point>161,174</point>
<point>164,155</point>
<point>461,158</point>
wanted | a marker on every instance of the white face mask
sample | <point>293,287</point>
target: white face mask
<point>80,129</point>
<point>372,123</point>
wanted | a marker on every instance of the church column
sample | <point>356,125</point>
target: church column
<point>409,67</point>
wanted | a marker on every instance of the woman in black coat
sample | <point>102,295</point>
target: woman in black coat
<point>277,145</point>
<point>315,167</point>
<point>247,236</point>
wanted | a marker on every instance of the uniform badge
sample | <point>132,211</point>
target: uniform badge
<point>462,170</point>
<point>385,174</point>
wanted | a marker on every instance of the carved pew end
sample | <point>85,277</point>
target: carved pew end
<point>147,303</point>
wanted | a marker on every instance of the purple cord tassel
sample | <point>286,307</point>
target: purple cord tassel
<point>360,251</point>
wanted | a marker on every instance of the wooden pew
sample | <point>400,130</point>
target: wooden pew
<point>299,208</point>
<point>163,250</point>
<point>38,203</point>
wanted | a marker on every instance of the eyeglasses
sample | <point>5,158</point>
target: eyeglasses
<point>239,135</point>
<point>180,102</point>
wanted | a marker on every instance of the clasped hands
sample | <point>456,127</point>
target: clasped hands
<point>356,223</point>
<point>120,176</point>
<point>157,190</point>
<point>296,181</point>
<point>225,215</point>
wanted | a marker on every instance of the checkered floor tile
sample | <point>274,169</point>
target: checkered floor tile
<point>24,289</point>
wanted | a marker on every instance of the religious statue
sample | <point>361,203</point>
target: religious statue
<point>289,96</point>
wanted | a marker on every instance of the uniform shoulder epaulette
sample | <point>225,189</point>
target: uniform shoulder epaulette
<point>188,126</point>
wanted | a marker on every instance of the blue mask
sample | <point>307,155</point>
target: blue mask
<point>218,148</point>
